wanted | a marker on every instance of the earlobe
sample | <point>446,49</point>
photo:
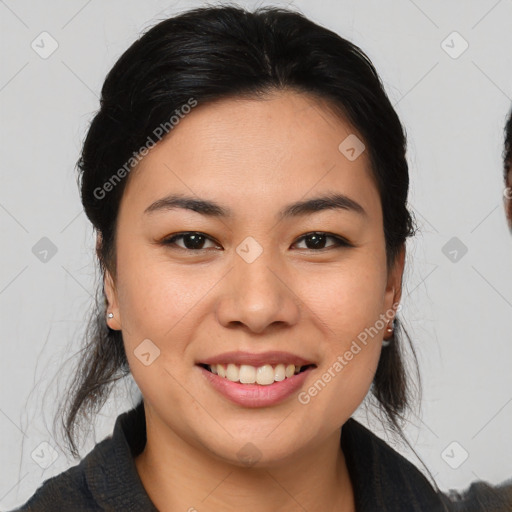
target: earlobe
<point>113,318</point>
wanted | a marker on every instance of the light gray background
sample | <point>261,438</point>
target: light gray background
<point>458,313</point>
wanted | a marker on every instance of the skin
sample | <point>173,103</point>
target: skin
<point>255,157</point>
<point>508,197</point>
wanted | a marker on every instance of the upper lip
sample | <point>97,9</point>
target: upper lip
<point>273,358</point>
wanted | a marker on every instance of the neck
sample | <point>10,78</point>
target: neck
<point>179,476</point>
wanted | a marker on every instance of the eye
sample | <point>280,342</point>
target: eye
<point>316,240</point>
<point>193,240</point>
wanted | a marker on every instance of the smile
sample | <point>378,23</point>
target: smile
<point>264,375</point>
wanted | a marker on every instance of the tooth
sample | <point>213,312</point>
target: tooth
<point>247,374</point>
<point>279,373</point>
<point>232,372</point>
<point>290,370</point>
<point>265,375</point>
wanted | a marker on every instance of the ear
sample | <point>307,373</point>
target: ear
<point>508,202</point>
<point>507,195</point>
<point>394,283</point>
<point>110,292</point>
<point>112,301</point>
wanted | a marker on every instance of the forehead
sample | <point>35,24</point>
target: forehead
<point>255,151</point>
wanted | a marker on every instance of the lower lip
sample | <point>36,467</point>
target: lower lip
<point>256,395</point>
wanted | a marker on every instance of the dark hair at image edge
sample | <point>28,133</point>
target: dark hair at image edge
<point>507,167</point>
<point>507,153</point>
<point>216,53</point>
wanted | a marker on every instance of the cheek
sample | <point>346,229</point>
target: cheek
<point>155,295</point>
<point>341,383</point>
<point>348,299</point>
<point>160,302</point>
<point>347,306</point>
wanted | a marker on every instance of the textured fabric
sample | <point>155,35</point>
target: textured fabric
<point>384,481</point>
<point>483,497</point>
<point>105,480</point>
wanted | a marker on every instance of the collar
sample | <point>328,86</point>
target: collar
<point>110,471</point>
<point>382,479</point>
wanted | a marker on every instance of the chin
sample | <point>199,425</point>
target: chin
<point>256,451</point>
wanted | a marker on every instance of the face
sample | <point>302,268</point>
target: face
<point>257,284</point>
<point>508,197</point>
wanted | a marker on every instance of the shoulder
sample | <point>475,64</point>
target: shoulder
<point>106,479</point>
<point>67,491</point>
<point>386,481</point>
<point>383,479</point>
<point>481,496</point>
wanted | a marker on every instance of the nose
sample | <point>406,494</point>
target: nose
<point>258,295</point>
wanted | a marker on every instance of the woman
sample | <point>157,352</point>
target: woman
<point>246,176</point>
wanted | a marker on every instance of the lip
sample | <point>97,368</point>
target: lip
<point>253,359</point>
<point>255,395</point>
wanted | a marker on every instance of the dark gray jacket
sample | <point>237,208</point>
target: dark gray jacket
<point>384,481</point>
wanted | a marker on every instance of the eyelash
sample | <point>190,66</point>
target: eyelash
<point>340,242</point>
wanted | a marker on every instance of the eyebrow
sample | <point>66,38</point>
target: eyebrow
<point>333,201</point>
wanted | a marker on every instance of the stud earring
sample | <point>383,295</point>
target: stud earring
<point>110,315</point>
<point>389,330</point>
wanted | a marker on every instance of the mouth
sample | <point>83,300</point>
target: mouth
<point>264,375</point>
<point>256,385</point>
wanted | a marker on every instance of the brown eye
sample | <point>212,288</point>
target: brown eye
<point>317,240</point>
<point>195,241</point>
<point>192,240</point>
